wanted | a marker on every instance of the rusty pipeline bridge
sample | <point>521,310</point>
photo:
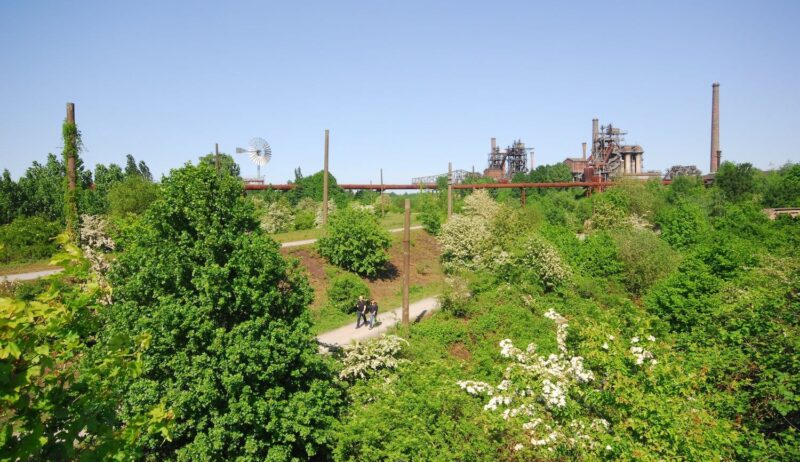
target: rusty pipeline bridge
<point>591,185</point>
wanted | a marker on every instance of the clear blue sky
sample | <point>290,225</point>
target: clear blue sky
<point>405,85</point>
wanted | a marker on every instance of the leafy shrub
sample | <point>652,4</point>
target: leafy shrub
<point>597,255</point>
<point>355,241</point>
<point>58,400</point>
<point>684,298</point>
<point>131,195</point>
<point>231,338</point>
<point>28,238</point>
<point>345,290</point>
<point>431,221</point>
<point>682,225</point>
<point>645,258</point>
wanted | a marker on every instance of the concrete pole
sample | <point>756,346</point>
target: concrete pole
<point>216,156</point>
<point>325,183</point>
<point>522,198</point>
<point>714,126</point>
<point>450,189</point>
<point>71,175</point>
<point>406,259</point>
<point>381,196</point>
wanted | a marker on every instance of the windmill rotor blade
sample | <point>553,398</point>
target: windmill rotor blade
<point>258,160</point>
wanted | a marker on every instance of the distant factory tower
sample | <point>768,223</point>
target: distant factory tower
<point>716,154</point>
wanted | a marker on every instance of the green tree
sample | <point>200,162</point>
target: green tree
<point>10,198</point>
<point>130,166</point>
<point>312,187</point>
<point>42,189</point>
<point>356,242</point>
<point>131,195</point>
<point>226,163</point>
<point>232,350</point>
<point>783,188</point>
<point>737,181</point>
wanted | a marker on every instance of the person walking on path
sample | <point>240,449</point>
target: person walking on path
<point>361,311</point>
<point>373,313</point>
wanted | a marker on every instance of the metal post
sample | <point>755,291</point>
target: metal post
<point>216,156</point>
<point>381,196</point>
<point>449,189</point>
<point>406,259</point>
<point>325,184</point>
<point>522,198</point>
<point>71,159</point>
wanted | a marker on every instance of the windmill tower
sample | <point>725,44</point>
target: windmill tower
<point>259,152</point>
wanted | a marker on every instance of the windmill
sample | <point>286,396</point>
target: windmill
<point>259,151</point>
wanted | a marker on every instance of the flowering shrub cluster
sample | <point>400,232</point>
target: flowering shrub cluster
<point>534,393</point>
<point>277,218</point>
<point>542,259</point>
<point>455,295</point>
<point>95,243</point>
<point>318,216</point>
<point>481,204</point>
<point>463,241</point>
<point>364,360</point>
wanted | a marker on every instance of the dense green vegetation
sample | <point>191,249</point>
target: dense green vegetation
<point>642,323</point>
<point>673,325</point>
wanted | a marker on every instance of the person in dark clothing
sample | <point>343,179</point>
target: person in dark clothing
<point>373,313</point>
<point>361,311</point>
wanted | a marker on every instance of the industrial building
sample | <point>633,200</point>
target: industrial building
<point>610,157</point>
<point>503,164</point>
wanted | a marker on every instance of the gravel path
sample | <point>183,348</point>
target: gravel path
<point>346,334</point>
<point>29,276</point>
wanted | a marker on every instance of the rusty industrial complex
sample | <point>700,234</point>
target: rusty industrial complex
<point>609,160</point>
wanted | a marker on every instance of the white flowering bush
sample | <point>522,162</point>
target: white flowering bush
<point>362,207</point>
<point>542,260</point>
<point>464,241</point>
<point>481,204</point>
<point>277,218</point>
<point>96,243</point>
<point>455,296</point>
<point>537,394</point>
<point>318,216</point>
<point>363,360</point>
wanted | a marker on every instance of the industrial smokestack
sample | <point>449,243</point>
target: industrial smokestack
<point>715,152</point>
<point>584,151</point>
<point>595,130</point>
<point>494,144</point>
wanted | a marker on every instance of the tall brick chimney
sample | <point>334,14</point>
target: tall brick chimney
<point>715,151</point>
